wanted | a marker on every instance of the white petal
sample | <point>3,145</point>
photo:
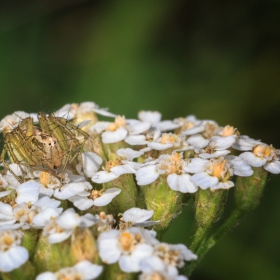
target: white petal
<point>99,126</point>
<point>272,167</point>
<point>41,219</point>
<point>137,215</point>
<point>240,167</point>
<point>103,177</point>
<point>167,125</point>
<point>149,116</point>
<point>5,193</point>
<point>196,165</point>
<point>140,127</point>
<point>69,190</point>
<point>181,183</point>
<point>204,180</point>
<point>59,237</point>
<point>146,175</point>
<point>159,146</point>
<point>88,270</point>
<point>46,276</point>
<point>194,130</point>
<point>222,143</point>
<point>136,140</point>
<point>68,219</point>
<point>215,154</point>
<point>90,164</point>
<point>28,192</point>
<point>13,258</point>
<point>129,153</point>
<point>108,246</point>
<point>222,185</point>
<point>46,202</point>
<point>252,160</point>
<point>122,169</point>
<point>106,197</point>
<point>198,141</point>
<point>114,136</point>
<point>130,263</point>
<point>82,203</point>
<point>6,211</point>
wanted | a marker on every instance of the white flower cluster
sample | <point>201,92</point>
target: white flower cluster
<point>188,152</point>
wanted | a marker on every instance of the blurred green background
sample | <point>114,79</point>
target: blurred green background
<point>215,59</point>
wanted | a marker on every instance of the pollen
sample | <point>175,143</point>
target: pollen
<point>112,163</point>
<point>119,122</point>
<point>126,241</point>
<point>228,131</point>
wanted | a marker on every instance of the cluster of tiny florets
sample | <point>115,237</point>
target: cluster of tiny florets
<point>61,190</point>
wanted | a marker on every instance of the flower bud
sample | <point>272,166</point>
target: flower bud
<point>113,272</point>
<point>209,206</point>
<point>248,190</point>
<point>83,246</point>
<point>127,197</point>
<point>165,203</point>
<point>26,272</point>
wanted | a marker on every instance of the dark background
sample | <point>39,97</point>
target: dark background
<point>215,59</point>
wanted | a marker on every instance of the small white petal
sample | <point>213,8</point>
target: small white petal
<point>59,237</point>
<point>122,169</point>
<point>196,165</point>
<point>106,197</point>
<point>68,219</point>
<point>137,215</point>
<point>13,258</point>
<point>139,127</point>
<point>88,270</point>
<point>222,185</point>
<point>28,192</point>
<point>103,177</point>
<point>252,160</point>
<point>222,143</point>
<point>5,193</point>
<point>204,180</point>
<point>69,190</point>
<point>215,154</point>
<point>46,276</point>
<point>198,141</point>
<point>146,175</point>
<point>272,167</point>
<point>128,153</point>
<point>136,140</point>
<point>90,164</point>
<point>114,136</point>
<point>159,146</point>
<point>181,183</point>
<point>194,130</point>
<point>82,203</point>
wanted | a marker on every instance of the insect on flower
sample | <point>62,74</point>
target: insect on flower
<point>52,146</point>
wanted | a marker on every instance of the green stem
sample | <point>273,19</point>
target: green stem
<point>231,222</point>
<point>199,236</point>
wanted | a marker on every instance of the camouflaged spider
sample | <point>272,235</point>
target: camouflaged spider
<point>52,146</point>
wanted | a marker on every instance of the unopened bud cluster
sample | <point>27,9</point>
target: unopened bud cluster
<point>83,199</point>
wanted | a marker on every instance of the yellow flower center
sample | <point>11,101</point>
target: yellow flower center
<point>119,122</point>
<point>228,131</point>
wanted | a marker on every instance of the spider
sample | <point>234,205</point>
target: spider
<point>52,146</point>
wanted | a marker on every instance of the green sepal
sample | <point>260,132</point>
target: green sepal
<point>249,190</point>
<point>126,199</point>
<point>209,206</point>
<point>113,272</point>
<point>29,240</point>
<point>110,149</point>
<point>165,203</point>
<point>52,257</point>
<point>26,272</point>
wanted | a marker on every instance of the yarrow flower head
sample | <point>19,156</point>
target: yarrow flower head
<point>79,196</point>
